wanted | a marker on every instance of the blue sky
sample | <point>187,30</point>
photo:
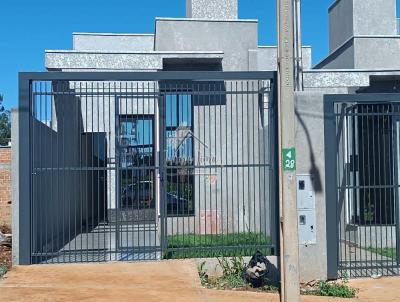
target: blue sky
<point>28,27</point>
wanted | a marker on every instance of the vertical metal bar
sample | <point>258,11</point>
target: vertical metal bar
<point>333,240</point>
<point>60,162</point>
<point>117,172</point>
<point>81,167</point>
<point>252,160</point>
<point>96,226</point>
<point>237,98</point>
<point>397,186</point>
<point>392,205</point>
<point>90,234</point>
<point>376,181</point>
<point>220,170</point>
<point>132,172</point>
<point>163,177</point>
<point>43,174</point>
<point>24,166</point>
<point>104,173</point>
<point>273,161</point>
<point>244,133</point>
<point>112,143</point>
<point>207,138</point>
<point>36,174</point>
<point>124,177</point>
<point>143,172</point>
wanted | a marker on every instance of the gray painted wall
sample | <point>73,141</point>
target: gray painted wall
<point>265,58</point>
<point>341,24</point>
<point>311,160</point>
<point>349,18</point>
<point>212,9</point>
<point>233,38</point>
<point>15,186</point>
<point>362,35</point>
<point>377,52</point>
<point>113,42</point>
<point>95,60</point>
<point>342,58</point>
<point>374,17</point>
<point>365,52</point>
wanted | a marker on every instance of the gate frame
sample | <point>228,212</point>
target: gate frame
<point>331,185</point>
<point>22,186</point>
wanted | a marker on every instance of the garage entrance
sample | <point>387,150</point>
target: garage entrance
<point>142,166</point>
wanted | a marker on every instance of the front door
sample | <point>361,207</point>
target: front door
<point>136,211</point>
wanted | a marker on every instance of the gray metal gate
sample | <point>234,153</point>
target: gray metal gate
<point>138,166</point>
<point>362,156</point>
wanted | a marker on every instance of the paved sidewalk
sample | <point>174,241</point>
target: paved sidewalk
<point>170,281</point>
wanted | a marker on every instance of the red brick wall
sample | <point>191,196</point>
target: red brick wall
<point>5,186</point>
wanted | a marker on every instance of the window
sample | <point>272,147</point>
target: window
<point>136,151</point>
<point>179,155</point>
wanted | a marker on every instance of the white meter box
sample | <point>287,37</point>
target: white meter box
<point>306,210</point>
<point>305,192</point>
<point>307,231</point>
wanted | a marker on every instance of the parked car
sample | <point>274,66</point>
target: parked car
<point>138,195</point>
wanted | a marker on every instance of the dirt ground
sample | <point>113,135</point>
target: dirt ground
<point>147,282</point>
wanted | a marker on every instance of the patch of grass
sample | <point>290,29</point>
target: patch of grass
<point>207,246</point>
<point>333,289</point>
<point>340,290</point>
<point>3,270</point>
<point>386,252</point>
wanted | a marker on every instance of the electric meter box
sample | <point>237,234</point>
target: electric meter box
<point>306,210</point>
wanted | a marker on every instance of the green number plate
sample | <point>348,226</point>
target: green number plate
<point>289,159</point>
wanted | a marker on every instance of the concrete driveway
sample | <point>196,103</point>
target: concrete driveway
<point>170,281</point>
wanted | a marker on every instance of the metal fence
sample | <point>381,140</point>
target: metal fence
<point>139,166</point>
<point>364,168</point>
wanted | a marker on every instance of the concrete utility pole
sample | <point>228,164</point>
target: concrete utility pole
<point>289,253</point>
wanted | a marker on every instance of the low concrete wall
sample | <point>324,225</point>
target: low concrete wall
<point>373,236</point>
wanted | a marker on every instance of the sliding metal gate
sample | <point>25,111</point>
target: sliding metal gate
<point>136,166</point>
<point>363,148</point>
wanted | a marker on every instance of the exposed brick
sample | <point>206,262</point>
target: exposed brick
<point>5,186</point>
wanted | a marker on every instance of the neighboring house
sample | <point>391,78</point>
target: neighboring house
<point>220,147</point>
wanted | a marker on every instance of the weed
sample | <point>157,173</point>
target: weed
<point>234,266</point>
<point>333,289</point>
<point>232,273</point>
<point>203,273</point>
<point>3,270</point>
<point>231,281</point>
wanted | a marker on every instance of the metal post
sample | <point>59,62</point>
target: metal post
<point>287,185</point>
<point>298,46</point>
<point>24,173</point>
